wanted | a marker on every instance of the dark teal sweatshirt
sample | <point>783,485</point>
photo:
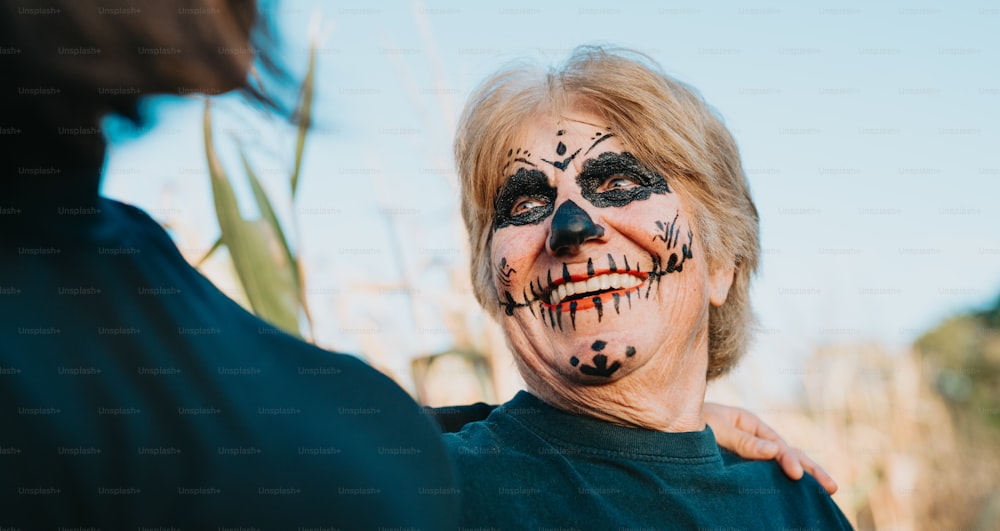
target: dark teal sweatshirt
<point>532,466</point>
<point>135,395</point>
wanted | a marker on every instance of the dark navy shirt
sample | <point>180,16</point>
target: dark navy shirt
<point>532,466</point>
<point>134,394</point>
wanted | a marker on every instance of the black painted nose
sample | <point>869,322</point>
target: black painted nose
<point>571,226</point>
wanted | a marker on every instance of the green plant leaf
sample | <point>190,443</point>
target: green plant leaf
<point>267,212</point>
<point>263,268</point>
<point>304,116</point>
<point>211,251</point>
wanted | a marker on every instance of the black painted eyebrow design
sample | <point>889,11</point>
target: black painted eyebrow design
<point>598,141</point>
<point>565,163</point>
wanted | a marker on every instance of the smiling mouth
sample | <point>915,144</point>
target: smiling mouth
<point>586,290</point>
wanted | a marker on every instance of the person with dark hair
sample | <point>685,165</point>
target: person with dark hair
<point>133,393</point>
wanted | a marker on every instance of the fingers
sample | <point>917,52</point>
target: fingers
<point>817,472</point>
<point>788,458</point>
<point>744,434</point>
<point>738,435</point>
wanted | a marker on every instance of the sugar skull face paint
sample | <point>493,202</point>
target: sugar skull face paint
<point>609,272</point>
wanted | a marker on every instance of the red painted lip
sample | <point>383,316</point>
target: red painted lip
<point>606,298</point>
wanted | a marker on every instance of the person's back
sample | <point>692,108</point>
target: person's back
<point>529,465</point>
<point>133,393</point>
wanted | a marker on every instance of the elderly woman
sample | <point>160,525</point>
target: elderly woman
<point>613,237</point>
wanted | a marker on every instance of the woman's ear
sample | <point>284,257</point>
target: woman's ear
<point>719,282</point>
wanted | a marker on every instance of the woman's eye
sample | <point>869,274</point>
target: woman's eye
<point>619,182</point>
<point>525,205</point>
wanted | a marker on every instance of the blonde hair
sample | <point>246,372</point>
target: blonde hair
<point>664,123</point>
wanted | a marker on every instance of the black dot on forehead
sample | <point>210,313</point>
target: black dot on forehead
<point>561,149</point>
<point>510,152</point>
<point>561,132</point>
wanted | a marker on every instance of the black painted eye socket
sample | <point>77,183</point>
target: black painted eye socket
<point>617,179</point>
<point>525,199</point>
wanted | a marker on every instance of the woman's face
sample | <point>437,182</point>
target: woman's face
<point>596,262</point>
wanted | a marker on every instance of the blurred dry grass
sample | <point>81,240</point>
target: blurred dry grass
<point>903,457</point>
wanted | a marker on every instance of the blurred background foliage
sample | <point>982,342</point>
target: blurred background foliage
<point>963,356</point>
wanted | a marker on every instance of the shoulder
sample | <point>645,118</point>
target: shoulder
<point>802,502</point>
<point>495,443</point>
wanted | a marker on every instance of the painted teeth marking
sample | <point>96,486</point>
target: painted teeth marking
<point>593,284</point>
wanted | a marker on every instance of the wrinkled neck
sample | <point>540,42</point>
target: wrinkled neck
<point>667,395</point>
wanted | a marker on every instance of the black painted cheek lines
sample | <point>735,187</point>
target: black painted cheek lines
<point>670,231</point>
<point>671,238</point>
<point>597,172</point>
<point>504,272</point>
<point>531,184</point>
<point>509,304</point>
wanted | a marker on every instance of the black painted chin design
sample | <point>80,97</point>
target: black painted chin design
<point>600,365</point>
<point>596,173</point>
<point>525,183</point>
<point>571,227</point>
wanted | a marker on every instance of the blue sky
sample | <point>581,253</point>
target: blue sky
<point>868,131</point>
